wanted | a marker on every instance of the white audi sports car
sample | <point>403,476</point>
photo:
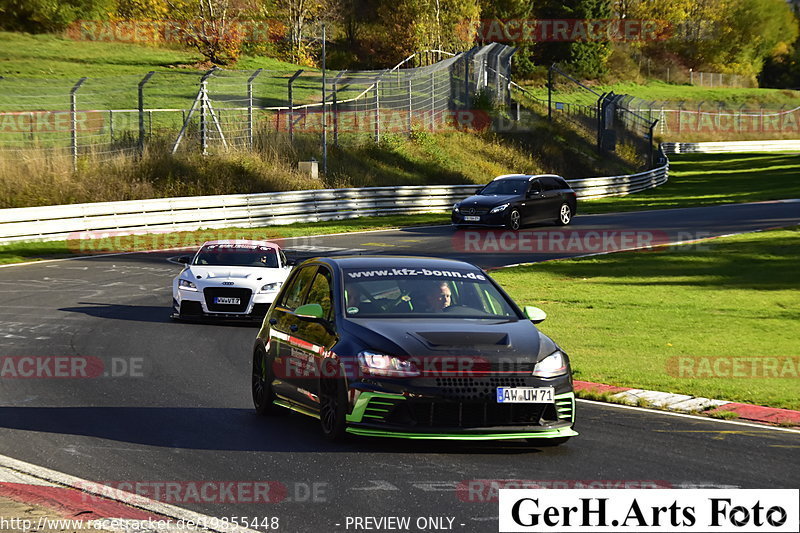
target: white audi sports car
<point>229,280</point>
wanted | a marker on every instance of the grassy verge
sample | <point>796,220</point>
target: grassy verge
<point>626,318</point>
<point>712,179</point>
<point>34,251</point>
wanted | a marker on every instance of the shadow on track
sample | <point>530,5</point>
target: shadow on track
<point>136,313</point>
<point>224,429</point>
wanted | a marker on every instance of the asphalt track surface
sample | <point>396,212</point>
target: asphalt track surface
<point>184,412</point>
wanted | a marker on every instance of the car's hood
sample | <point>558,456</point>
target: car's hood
<point>480,200</point>
<point>218,274</point>
<point>517,340</point>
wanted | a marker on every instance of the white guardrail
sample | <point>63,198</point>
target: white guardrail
<point>265,209</point>
<point>66,222</point>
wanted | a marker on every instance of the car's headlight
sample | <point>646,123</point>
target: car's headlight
<point>551,366</point>
<point>186,284</point>
<point>378,364</point>
<point>499,208</point>
<point>271,287</point>
<point>455,208</point>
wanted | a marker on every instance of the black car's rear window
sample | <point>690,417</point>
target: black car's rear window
<point>423,292</point>
<point>506,187</point>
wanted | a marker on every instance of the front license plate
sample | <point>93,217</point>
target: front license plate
<point>227,301</point>
<point>472,219</point>
<point>525,395</point>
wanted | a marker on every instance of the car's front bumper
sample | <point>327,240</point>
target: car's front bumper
<point>489,219</point>
<point>193,305</point>
<point>387,415</point>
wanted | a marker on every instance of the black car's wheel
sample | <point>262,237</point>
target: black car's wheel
<point>263,395</point>
<point>514,220</point>
<point>332,402</point>
<point>547,443</point>
<point>564,214</point>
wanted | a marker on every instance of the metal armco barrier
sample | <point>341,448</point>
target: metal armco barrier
<point>266,209</point>
<point>730,146</point>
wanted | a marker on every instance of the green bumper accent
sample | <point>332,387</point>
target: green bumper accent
<point>369,408</point>
<point>546,434</point>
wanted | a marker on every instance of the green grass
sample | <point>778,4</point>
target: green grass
<point>711,179</point>
<point>691,94</point>
<point>34,251</point>
<point>623,317</point>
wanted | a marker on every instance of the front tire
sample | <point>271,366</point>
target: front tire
<point>564,214</point>
<point>263,394</point>
<point>514,220</point>
<point>333,404</point>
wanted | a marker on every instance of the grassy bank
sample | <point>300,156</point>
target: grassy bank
<point>690,94</point>
<point>423,158</point>
<point>626,318</point>
<point>711,179</point>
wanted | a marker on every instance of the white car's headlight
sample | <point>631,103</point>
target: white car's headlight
<point>499,208</point>
<point>187,285</point>
<point>378,364</point>
<point>551,366</point>
<point>271,287</point>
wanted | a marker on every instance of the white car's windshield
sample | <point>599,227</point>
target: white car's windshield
<point>424,293</point>
<point>237,255</point>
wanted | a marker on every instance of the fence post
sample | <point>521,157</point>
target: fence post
<point>550,93</point>
<point>467,59</point>
<point>691,77</point>
<point>73,110</point>
<point>291,104</point>
<point>250,107</point>
<point>378,110</point>
<point>410,104</point>
<point>111,125</point>
<point>141,110</point>
<point>433,101</point>
<point>204,110</point>
<point>497,96</point>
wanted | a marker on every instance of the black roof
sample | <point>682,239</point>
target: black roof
<point>395,261</point>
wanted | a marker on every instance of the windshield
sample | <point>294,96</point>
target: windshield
<point>505,187</point>
<point>425,293</point>
<point>246,255</point>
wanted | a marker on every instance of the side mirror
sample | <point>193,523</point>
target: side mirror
<point>309,311</point>
<point>291,262</point>
<point>185,259</point>
<point>534,314</point>
<point>478,190</point>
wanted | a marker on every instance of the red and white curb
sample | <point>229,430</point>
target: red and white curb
<point>685,403</point>
<point>111,510</point>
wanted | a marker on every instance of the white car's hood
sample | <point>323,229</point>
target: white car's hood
<point>240,275</point>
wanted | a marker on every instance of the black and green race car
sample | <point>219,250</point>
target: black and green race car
<point>410,347</point>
